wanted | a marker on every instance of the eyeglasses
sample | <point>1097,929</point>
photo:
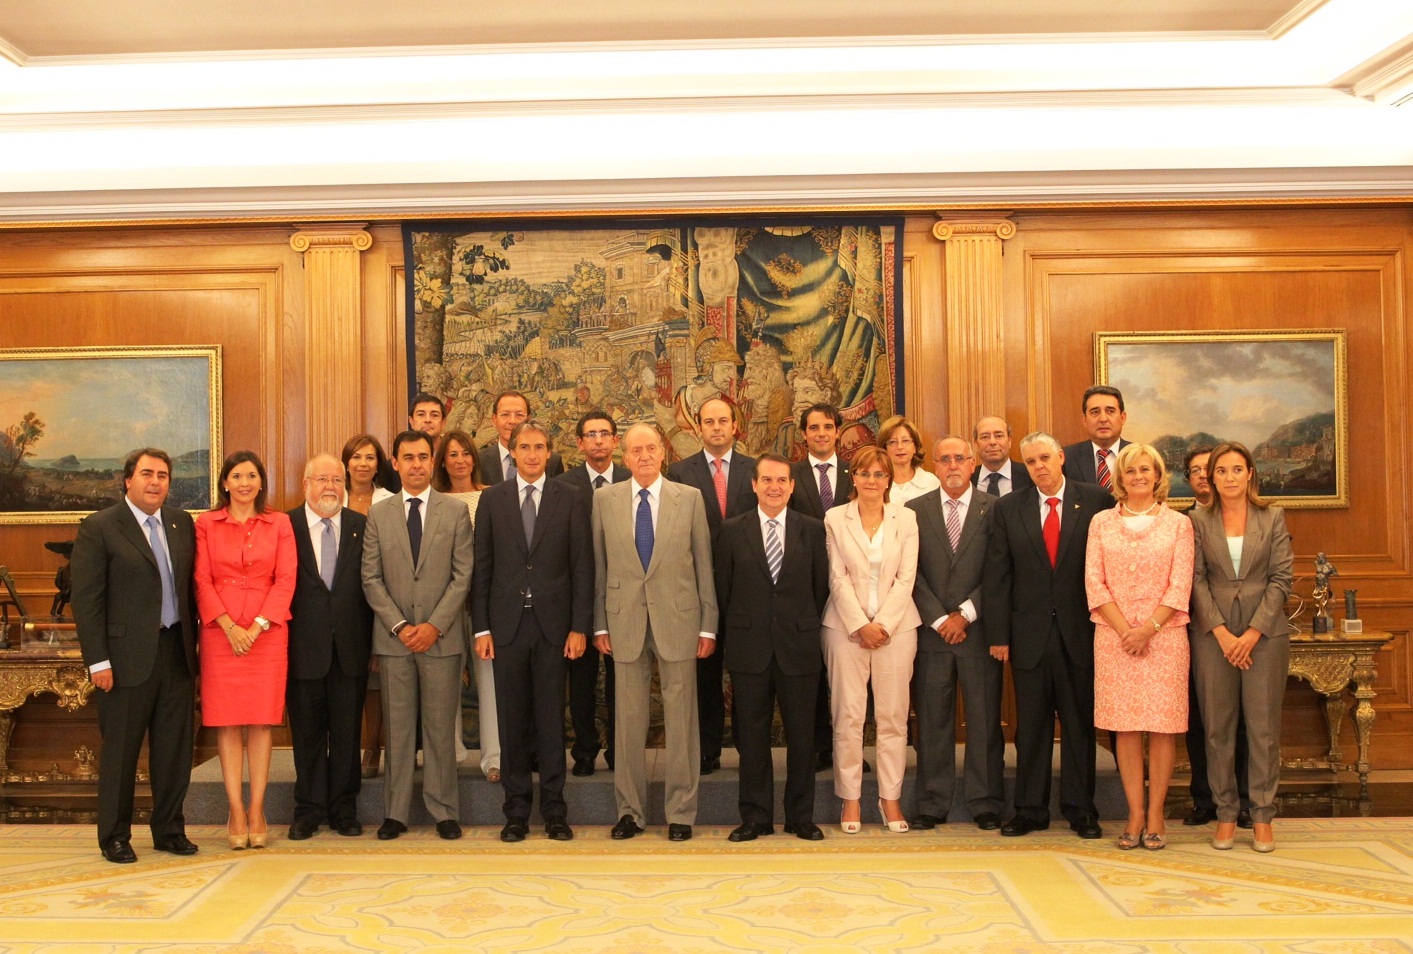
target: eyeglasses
<point>327,481</point>
<point>953,459</point>
<point>898,442</point>
<point>1197,471</point>
<point>593,435</point>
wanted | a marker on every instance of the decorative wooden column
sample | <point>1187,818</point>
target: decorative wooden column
<point>976,367</point>
<point>333,361</point>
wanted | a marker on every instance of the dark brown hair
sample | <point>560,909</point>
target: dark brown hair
<point>355,444</point>
<point>223,496</point>
<point>1253,496</point>
<point>441,480</point>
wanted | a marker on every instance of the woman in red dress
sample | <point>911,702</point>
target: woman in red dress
<point>245,572</point>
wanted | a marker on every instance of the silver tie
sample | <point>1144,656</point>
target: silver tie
<point>774,552</point>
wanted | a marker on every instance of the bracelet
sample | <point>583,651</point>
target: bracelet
<point>1156,627</point>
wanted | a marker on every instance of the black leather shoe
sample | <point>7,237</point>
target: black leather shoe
<point>806,831</point>
<point>583,767</point>
<point>1243,819</point>
<point>302,829</point>
<point>515,830</point>
<point>448,829</point>
<point>710,764</point>
<point>390,829</point>
<point>175,844</point>
<point>679,832</point>
<point>608,758</point>
<point>119,852</point>
<point>1088,829</point>
<point>535,764</point>
<point>927,822</point>
<point>750,831</point>
<point>349,829</point>
<point>558,830</point>
<point>988,821</point>
<point>1199,816</point>
<point>823,760</point>
<point>1022,826</point>
<point>626,828</point>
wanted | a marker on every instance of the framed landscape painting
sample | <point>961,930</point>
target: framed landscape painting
<point>69,417</point>
<point>1284,394</point>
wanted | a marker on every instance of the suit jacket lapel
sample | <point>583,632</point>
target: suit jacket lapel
<point>811,481</point>
<point>1070,505</point>
<point>738,481</point>
<point>757,545</point>
<point>1255,541</point>
<point>854,522</point>
<point>304,544</point>
<point>137,535</point>
<point>667,509</point>
<point>549,503</point>
<point>979,505</point>
<point>1030,513</point>
<point>348,542</point>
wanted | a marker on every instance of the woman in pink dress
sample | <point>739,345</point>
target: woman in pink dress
<point>245,572</point>
<point>1138,573</point>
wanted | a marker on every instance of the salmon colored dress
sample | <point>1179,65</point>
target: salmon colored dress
<point>244,570</point>
<point>1140,565</point>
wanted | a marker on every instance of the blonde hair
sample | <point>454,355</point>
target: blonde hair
<point>1129,455</point>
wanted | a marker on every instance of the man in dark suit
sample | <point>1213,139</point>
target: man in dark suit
<point>597,434</point>
<point>772,581</point>
<point>425,413</point>
<point>723,475</point>
<point>511,409</point>
<point>1093,461</point>
<point>417,553</point>
<point>1037,617</point>
<point>330,642</point>
<point>954,529</point>
<point>654,600</point>
<point>532,593</point>
<point>136,613</point>
<point>821,477</point>
<point>997,474</point>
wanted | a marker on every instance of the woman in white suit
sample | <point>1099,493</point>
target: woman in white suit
<point>870,634</point>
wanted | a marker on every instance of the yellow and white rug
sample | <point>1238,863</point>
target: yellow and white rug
<point>1334,886</point>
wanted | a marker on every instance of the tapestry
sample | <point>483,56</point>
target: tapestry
<point>647,320</point>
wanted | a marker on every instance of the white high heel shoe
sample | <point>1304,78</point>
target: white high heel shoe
<point>893,826</point>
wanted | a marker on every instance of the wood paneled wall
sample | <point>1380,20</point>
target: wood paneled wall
<point>1062,276</point>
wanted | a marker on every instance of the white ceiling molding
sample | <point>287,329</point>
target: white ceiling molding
<point>1386,79</point>
<point>1294,17</point>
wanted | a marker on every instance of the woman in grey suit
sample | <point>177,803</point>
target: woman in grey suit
<point>1241,655</point>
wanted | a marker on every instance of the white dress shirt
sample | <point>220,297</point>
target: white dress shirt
<point>831,474</point>
<point>1005,486</point>
<point>1059,508</point>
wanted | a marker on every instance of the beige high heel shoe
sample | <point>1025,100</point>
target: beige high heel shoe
<point>849,827</point>
<point>257,838</point>
<point>238,842</point>
<point>894,826</point>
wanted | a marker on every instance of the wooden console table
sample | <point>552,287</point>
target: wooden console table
<point>28,673</point>
<point>1330,664</point>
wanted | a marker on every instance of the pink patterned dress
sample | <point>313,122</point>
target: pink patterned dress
<point>1140,568</point>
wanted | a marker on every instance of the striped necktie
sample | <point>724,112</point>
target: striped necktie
<point>774,552</point>
<point>1101,470</point>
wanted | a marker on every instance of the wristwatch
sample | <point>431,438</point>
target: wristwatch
<point>263,623</point>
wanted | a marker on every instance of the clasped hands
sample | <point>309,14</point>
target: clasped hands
<point>241,638</point>
<point>418,637</point>
<point>872,636</point>
<point>1237,649</point>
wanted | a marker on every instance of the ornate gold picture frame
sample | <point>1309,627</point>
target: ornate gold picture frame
<point>1284,394</point>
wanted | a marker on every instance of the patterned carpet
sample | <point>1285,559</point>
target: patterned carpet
<point>1334,886</point>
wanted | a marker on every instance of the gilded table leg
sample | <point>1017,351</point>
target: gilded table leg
<point>7,724</point>
<point>1364,713</point>
<point>1334,718</point>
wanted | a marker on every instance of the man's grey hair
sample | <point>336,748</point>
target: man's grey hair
<point>1040,437</point>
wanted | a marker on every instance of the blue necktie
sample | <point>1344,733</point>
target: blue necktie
<point>527,516</point>
<point>414,527</point>
<point>328,554</point>
<point>510,470</point>
<point>169,591</point>
<point>643,530</point>
<point>826,489</point>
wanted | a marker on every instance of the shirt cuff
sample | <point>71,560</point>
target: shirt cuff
<point>100,667</point>
<point>484,632</point>
<point>397,626</point>
<point>600,632</point>
<point>967,610</point>
<point>707,635</point>
<point>937,622</point>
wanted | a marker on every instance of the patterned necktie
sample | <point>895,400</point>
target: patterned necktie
<point>954,523</point>
<point>1101,470</point>
<point>599,482</point>
<point>993,485</point>
<point>826,490</point>
<point>527,515</point>
<point>719,479</point>
<point>414,527</point>
<point>643,529</point>
<point>774,552</point>
<point>164,570</point>
<point>509,467</point>
<point>328,553</point>
<point>1051,530</point>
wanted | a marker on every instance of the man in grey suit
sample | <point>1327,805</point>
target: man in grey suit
<point>954,529</point>
<point>654,598</point>
<point>136,615</point>
<point>417,554</point>
<point>510,410</point>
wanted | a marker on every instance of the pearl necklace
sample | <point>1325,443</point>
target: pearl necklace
<point>1145,513</point>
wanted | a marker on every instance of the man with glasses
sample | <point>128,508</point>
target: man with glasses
<point>598,439</point>
<point>330,641</point>
<point>954,531</point>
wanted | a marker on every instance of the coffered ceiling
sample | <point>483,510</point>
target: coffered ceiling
<point>171,108</point>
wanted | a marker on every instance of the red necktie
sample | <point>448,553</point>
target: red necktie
<point>719,479</point>
<point>1106,480</point>
<point>1051,530</point>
